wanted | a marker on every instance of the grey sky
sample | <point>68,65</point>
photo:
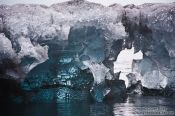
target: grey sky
<point>104,2</point>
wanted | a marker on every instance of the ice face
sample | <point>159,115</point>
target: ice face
<point>99,71</point>
<point>87,40</point>
<point>30,27</point>
<point>149,73</point>
<point>99,89</point>
<point>37,52</point>
<point>84,51</point>
<point>88,43</point>
<point>151,26</point>
<point>35,36</point>
<point>6,50</point>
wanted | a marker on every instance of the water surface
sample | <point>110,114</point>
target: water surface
<point>133,106</point>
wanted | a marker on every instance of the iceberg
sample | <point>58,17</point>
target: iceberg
<point>74,44</point>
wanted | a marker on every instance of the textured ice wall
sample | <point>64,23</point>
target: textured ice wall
<point>34,32</point>
<point>152,28</point>
<point>30,27</point>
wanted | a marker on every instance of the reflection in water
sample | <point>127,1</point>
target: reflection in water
<point>133,106</point>
<point>149,106</point>
<point>84,109</point>
<point>101,109</point>
<point>73,109</point>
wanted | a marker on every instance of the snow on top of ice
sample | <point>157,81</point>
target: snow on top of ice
<point>47,22</point>
<point>156,16</point>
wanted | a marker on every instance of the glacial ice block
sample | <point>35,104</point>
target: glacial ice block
<point>99,89</point>
<point>99,71</point>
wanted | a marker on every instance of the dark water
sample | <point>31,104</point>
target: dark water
<point>133,106</point>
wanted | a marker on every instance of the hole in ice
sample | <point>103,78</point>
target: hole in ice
<point>124,62</point>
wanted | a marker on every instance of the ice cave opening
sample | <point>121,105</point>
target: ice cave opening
<point>124,63</point>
